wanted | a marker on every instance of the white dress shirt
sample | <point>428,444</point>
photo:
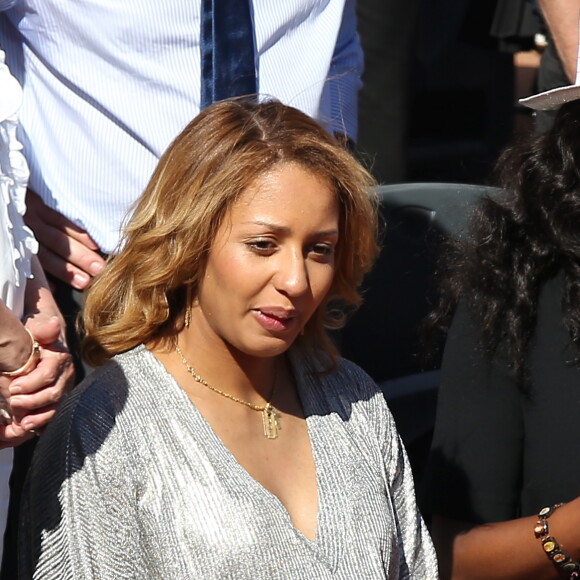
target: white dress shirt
<point>17,243</point>
<point>108,84</point>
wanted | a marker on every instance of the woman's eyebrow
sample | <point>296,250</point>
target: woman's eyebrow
<point>287,230</point>
<point>270,226</point>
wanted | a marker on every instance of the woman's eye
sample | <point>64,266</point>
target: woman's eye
<point>323,249</point>
<point>262,246</point>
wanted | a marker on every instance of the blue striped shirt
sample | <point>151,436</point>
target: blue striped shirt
<point>108,84</point>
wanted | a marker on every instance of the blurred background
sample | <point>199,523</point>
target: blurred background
<point>441,83</point>
<point>439,103</point>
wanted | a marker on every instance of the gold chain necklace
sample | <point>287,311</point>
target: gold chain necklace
<point>270,415</point>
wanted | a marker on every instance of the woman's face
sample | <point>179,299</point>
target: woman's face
<point>271,263</point>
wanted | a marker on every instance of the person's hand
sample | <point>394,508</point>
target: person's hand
<point>14,342</point>
<point>12,434</point>
<point>66,251</point>
<point>34,397</point>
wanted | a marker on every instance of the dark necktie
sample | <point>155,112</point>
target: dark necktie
<point>228,66</point>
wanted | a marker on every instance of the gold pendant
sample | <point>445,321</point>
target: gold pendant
<point>271,421</point>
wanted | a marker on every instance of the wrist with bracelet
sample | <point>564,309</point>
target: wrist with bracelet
<point>561,559</point>
<point>30,363</point>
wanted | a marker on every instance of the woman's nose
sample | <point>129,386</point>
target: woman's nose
<point>292,275</point>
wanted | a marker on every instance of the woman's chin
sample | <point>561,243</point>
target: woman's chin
<point>267,347</point>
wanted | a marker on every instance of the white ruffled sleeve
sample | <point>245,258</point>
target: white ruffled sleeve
<point>17,242</point>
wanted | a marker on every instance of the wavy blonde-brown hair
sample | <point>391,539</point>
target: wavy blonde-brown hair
<point>141,295</point>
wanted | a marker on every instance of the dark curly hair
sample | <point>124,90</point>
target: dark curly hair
<point>520,239</point>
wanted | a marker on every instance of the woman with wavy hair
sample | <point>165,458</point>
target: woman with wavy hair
<point>503,453</point>
<point>223,437</point>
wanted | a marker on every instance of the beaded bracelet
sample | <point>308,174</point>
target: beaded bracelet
<point>553,550</point>
<point>28,365</point>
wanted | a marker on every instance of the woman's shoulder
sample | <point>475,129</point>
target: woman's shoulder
<point>100,401</point>
<point>347,386</point>
<point>354,377</point>
<point>89,450</point>
<point>108,385</point>
<point>341,374</point>
<point>355,383</point>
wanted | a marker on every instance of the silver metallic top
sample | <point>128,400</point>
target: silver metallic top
<point>130,482</point>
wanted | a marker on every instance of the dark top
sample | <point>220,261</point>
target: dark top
<point>499,453</point>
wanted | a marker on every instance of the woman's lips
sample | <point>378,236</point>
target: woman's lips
<point>275,320</point>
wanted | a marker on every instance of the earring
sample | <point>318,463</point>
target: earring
<point>187,320</point>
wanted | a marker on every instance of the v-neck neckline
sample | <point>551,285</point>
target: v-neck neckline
<point>232,460</point>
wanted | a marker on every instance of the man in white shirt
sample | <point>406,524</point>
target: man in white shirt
<point>107,86</point>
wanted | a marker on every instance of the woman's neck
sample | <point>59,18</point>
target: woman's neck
<point>228,369</point>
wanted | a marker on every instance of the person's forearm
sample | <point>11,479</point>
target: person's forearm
<point>15,342</point>
<point>562,16</point>
<point>34,395</point>
<point>505,550</point>
<point>39,298</point>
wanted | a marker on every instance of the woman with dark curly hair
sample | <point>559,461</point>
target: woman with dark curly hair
<point>507,429</point>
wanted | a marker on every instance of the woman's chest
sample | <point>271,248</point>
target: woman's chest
<point>198,497</point>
